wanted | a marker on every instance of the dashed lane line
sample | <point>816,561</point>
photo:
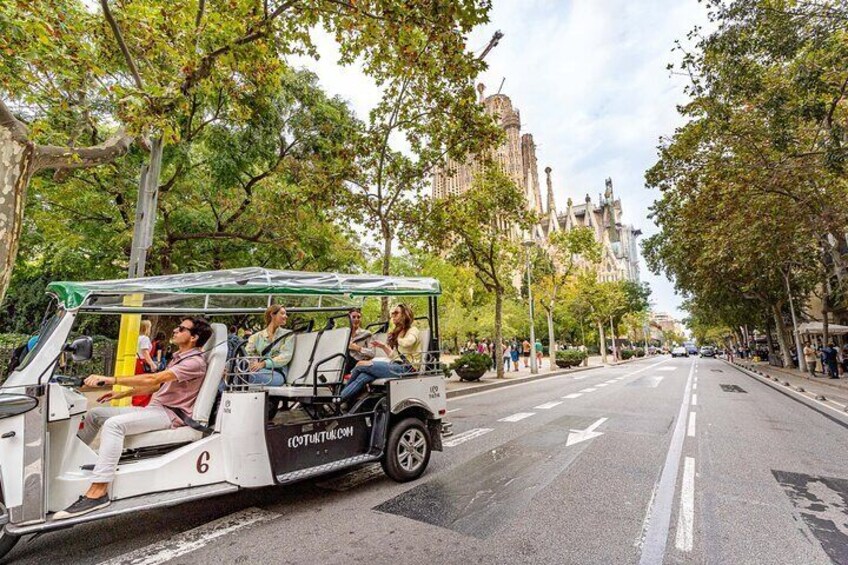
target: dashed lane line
<point>547,405</point>
<point>465,436</point>
<point>658,520</point>
<point>573,395</point>
<point>590,389</point>
<point>694,399</point>
<point>517,417</point>
<point>686,515</point>
<point>192,540</point>
<point>691,430</point>
<point>599,385</point>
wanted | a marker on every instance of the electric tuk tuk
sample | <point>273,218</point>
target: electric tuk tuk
<point>250,435</point>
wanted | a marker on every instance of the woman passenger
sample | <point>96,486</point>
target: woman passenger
<point>403,348</point>
<point>271,368</point>
<point>359,349</point>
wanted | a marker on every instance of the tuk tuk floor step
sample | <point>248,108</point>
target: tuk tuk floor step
<point>326,468</point>
<point>127,505</point>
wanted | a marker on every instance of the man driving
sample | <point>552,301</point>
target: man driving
<point>174,392</point>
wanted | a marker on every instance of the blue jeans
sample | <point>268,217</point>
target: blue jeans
<point>364,374</point>
<point>267,377</point>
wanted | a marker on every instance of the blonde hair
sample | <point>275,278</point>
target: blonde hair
<point>145,328</point>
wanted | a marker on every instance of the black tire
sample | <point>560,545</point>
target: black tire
<point>408,450</point>
<point>7,542</point>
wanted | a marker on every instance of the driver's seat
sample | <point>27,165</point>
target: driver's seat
<point>215,352</point>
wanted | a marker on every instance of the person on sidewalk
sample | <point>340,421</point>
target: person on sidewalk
<point>829,359</point>
<point>810,358</point>
<point>526,347</point>
<point>539,352</point>
<point>514,353</point>
<point>507,354</point>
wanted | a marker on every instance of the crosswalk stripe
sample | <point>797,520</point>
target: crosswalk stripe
<point>573,395</point>
<point>517,417</point>
<point>548,405</point>
<point>191,540</point>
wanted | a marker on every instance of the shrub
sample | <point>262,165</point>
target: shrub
<point>640,352</point>
<point>627,354</point>
<point>570,357</point>
<point>471,366</point>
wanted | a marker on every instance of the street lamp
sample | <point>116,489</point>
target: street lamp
<point>534,367</point>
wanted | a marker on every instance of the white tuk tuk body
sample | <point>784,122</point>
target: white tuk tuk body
<point>236,446</point>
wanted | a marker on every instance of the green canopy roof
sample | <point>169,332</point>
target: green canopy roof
<point>249,280</point>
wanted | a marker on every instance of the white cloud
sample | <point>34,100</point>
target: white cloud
<point>590,79</point>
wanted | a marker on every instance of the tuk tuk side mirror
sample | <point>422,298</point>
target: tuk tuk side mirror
<point>80,349</point>
<point>15,404</point>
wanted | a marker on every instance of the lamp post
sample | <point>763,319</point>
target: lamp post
<point>534,367</point>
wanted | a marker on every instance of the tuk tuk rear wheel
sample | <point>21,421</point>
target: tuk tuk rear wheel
<point>407,450</point>
<point>7,542</point>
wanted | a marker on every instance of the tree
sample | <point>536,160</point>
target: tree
<point>605,300</point>
<point>159,69</point>
<point>555,263</point>
<point>470,229</point>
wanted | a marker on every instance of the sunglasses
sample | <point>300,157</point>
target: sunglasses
<point>182,329</point>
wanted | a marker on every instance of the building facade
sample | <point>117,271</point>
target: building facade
<point>517,157</point>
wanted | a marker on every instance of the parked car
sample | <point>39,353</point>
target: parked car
<point>679,351</point>
<point>708,351</point>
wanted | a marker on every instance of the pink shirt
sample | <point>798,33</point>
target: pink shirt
<point>189,368</point>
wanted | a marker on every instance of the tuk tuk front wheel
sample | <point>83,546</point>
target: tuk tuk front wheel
<point>407,450</point>
<point>7,542</point>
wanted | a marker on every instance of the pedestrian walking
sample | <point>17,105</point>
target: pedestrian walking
<point>810,358</point>
<point>514,353</point>
<point>507,354</point>
<point>830,359</point>
<point>526,347</point>
<point>539,351</point>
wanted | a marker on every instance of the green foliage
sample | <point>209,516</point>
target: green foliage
<point>472,364</point>
<point>571,357</point>
<point>754,185</point>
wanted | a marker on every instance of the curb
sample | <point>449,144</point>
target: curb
<point>821,381</point>
<point>509,382</point>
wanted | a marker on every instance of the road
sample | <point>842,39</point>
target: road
<point>657,461</point>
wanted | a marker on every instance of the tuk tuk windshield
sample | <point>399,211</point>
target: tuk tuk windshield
<point>51,320</point>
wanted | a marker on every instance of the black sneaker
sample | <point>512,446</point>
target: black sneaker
<point>83,506</point>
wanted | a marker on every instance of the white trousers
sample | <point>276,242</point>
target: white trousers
<point>116,423</point>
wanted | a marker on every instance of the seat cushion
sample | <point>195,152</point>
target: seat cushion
<point>183,434</point>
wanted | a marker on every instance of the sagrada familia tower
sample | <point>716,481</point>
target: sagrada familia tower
<point>517,157</point>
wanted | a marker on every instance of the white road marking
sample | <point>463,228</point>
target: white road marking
<point>453,410</point>
<point>667,369</point>
<point>601,385</point>
<point>576,436</point>
<point>517,417</point>
<point>694,399</point>
<point>590,389</point>
<point>659,517</point>
<point>465,436</point>
<point>192,540</point>
<point>654,381</point>
<point>573,395</point>
<point>609,382</point>
<point>694,386</point>
<point>547,405</point>
<point>686,516</point>
<point>691,431</point>
<point>581,377</point>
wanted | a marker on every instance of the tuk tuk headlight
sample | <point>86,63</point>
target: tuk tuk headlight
<point>15,404</point>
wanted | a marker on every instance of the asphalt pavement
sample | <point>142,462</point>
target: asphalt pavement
<point>655,461</point>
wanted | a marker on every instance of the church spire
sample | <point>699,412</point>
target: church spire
<point>551,201</point>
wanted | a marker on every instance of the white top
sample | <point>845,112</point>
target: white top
<point>143,343</point>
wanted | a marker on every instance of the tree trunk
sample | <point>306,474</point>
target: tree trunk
<point>499,332</point>
<point>603,339</point>
<point>825,312</point>
<point>782,337</point>
<point>16,168</point>
<point>387,267</point>
<point>552,346</point>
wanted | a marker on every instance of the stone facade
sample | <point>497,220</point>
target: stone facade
<point>517,157</point>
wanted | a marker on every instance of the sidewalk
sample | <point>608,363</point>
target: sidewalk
<point>835,390</point>
<point>456,387</point>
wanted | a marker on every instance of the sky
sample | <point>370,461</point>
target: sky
<point>590,80</point>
